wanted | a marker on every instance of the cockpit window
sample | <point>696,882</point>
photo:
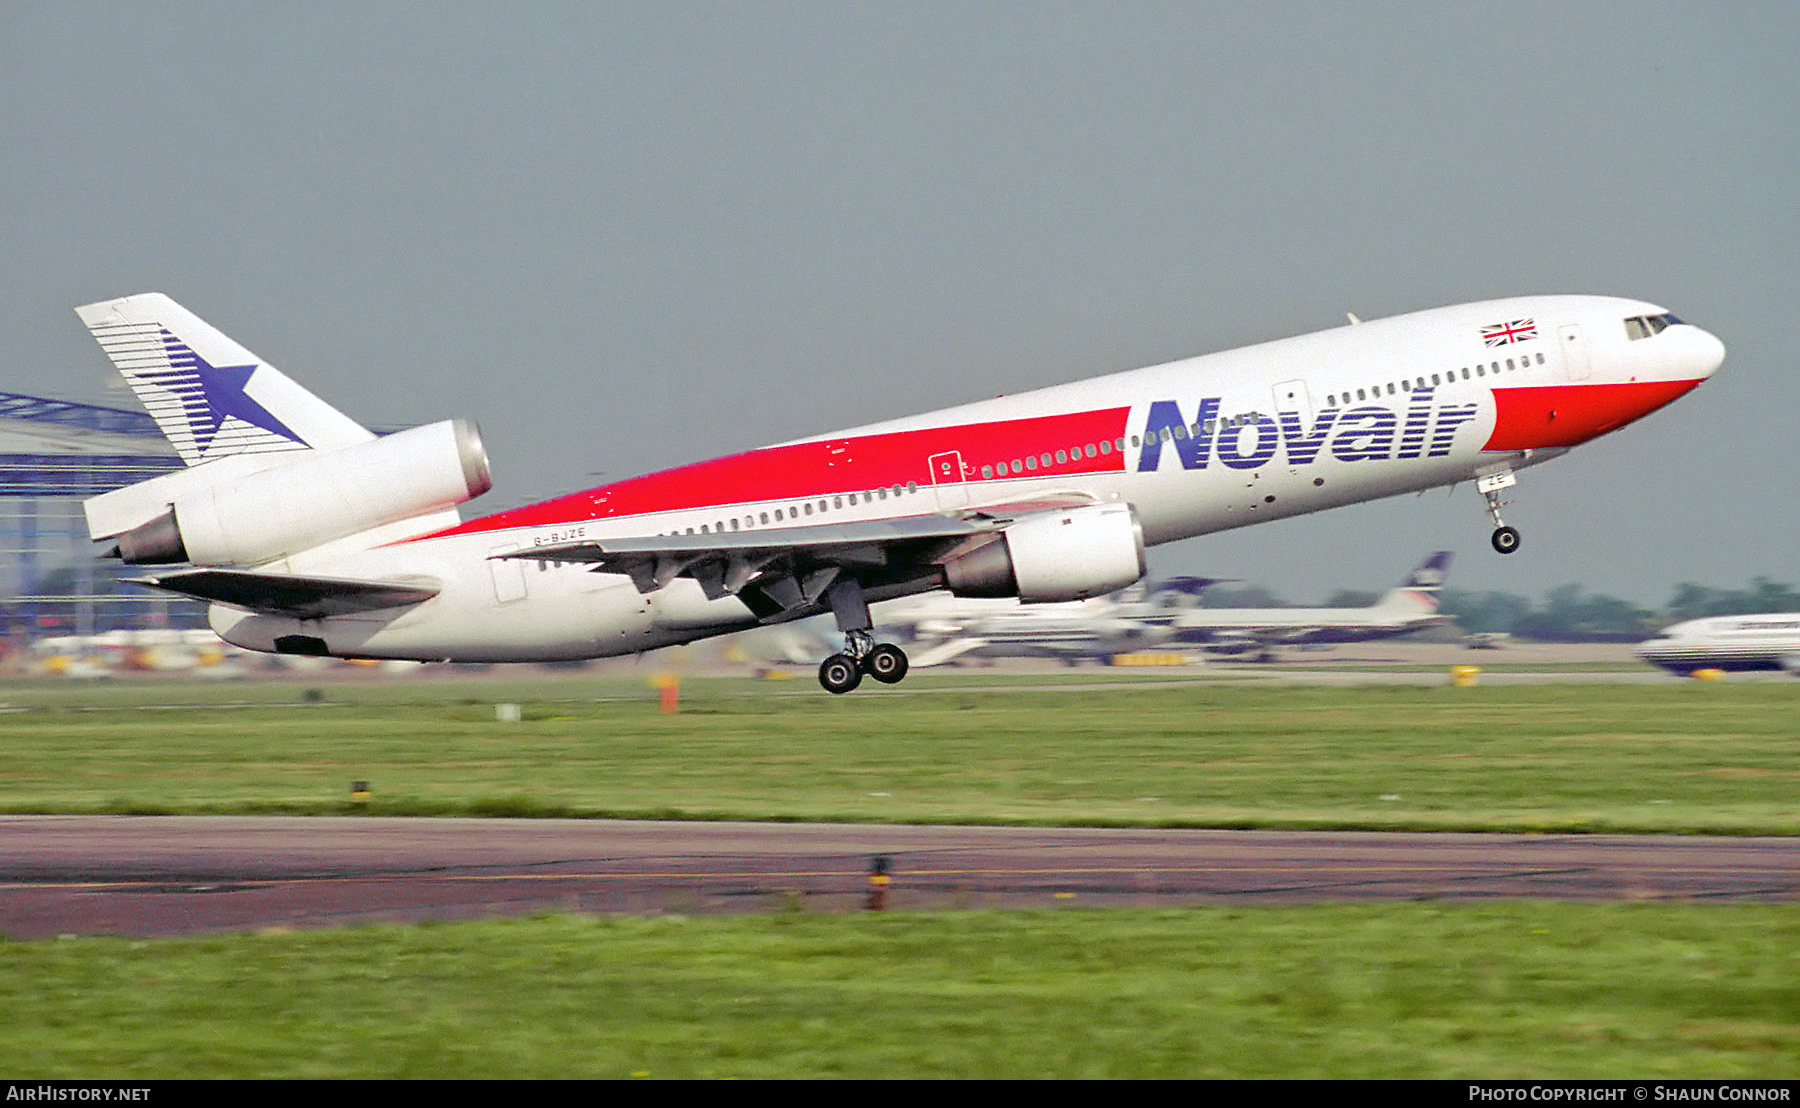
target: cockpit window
<point>1643,326</point>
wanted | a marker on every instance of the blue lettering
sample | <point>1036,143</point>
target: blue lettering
<point>1249,441</point>
<point>1165,422</point>
<point>1418,415</point>
<point>1373,441</point>
<point>1449,419</point>
<point>1303,446</point>
<point>1268,437</point>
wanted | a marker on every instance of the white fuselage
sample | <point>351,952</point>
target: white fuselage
<point>1195,446</point>
<point>1752,642</point>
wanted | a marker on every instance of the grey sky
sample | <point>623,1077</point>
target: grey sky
<point>628,236</point>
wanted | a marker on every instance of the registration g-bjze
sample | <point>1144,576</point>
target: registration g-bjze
<point>311,535</point>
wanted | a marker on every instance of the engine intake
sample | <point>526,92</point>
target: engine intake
<point>1072,555</point>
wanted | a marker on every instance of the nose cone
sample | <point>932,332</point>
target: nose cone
<point>1709,353</point>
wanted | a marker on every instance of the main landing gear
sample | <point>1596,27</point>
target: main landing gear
<point>1505,539</point>
<point>862,656</point>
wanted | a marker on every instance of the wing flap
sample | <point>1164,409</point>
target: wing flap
<point>823,540</point>
<point>779,573</point>
<point>284,594</point>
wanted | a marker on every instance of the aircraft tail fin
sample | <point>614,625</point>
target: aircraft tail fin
<point>211,397</point>
<point>1183,592</point>
<point>1419,592</point>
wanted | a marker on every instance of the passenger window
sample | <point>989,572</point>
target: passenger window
<point>987,472</point>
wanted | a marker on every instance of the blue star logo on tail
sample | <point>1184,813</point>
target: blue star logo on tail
<point>212,394</point>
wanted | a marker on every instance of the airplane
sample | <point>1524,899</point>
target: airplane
<point>308,534</point>
<point>1410,606</point>
<point>945,627</point>
<point>1751,642</point>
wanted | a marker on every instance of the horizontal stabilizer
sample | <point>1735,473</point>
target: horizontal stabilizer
<point>282,594</point>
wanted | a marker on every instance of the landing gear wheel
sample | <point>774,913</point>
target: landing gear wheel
<point>839,674</point>
<point>1506,539</point>
<point>885,663</point>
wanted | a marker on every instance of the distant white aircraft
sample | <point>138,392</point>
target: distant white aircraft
<point>944,627</point>
<point>1754,642</point>
<point>1409,607</point>
<point>310,535</point>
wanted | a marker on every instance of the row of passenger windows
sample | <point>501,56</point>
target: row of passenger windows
<point>1018,467</point>
<point>1468,374</point>
<point>804,508</point>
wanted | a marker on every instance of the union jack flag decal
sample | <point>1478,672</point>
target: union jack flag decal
<point>1499,334</point>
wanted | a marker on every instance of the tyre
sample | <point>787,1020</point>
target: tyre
<point>886,663</point>
<point>839,674</point>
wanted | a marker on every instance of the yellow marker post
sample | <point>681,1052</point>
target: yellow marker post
<point>878,884</point>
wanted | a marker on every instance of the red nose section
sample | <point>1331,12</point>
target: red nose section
<point>1566,415</point>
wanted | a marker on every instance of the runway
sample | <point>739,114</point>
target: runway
<point>156,875</point>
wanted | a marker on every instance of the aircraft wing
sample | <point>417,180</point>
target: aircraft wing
<point>284,594</point>
<point>779,572</point>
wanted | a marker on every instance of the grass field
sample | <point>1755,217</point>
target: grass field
<point>1714,758</point>
<point>1523,990</point>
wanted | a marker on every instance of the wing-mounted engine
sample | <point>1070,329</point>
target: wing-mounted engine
<point>1055,556</point>
<point>249,511</point>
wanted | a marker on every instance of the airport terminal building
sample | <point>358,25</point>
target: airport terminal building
<point>53,455</point>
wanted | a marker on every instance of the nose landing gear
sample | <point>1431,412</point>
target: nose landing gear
<point>1505,539</point>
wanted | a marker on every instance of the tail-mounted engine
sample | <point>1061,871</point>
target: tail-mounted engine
<point>229,518</point>
<point>1071,555</point>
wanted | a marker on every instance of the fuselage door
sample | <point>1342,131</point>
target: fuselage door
<point>947,479</point>
<point>1291,396</point>
<point>508,574</point>
<point>1574,351</point>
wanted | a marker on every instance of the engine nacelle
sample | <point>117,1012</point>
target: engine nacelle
<point>1072,555</point>
<point>317,497</point>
